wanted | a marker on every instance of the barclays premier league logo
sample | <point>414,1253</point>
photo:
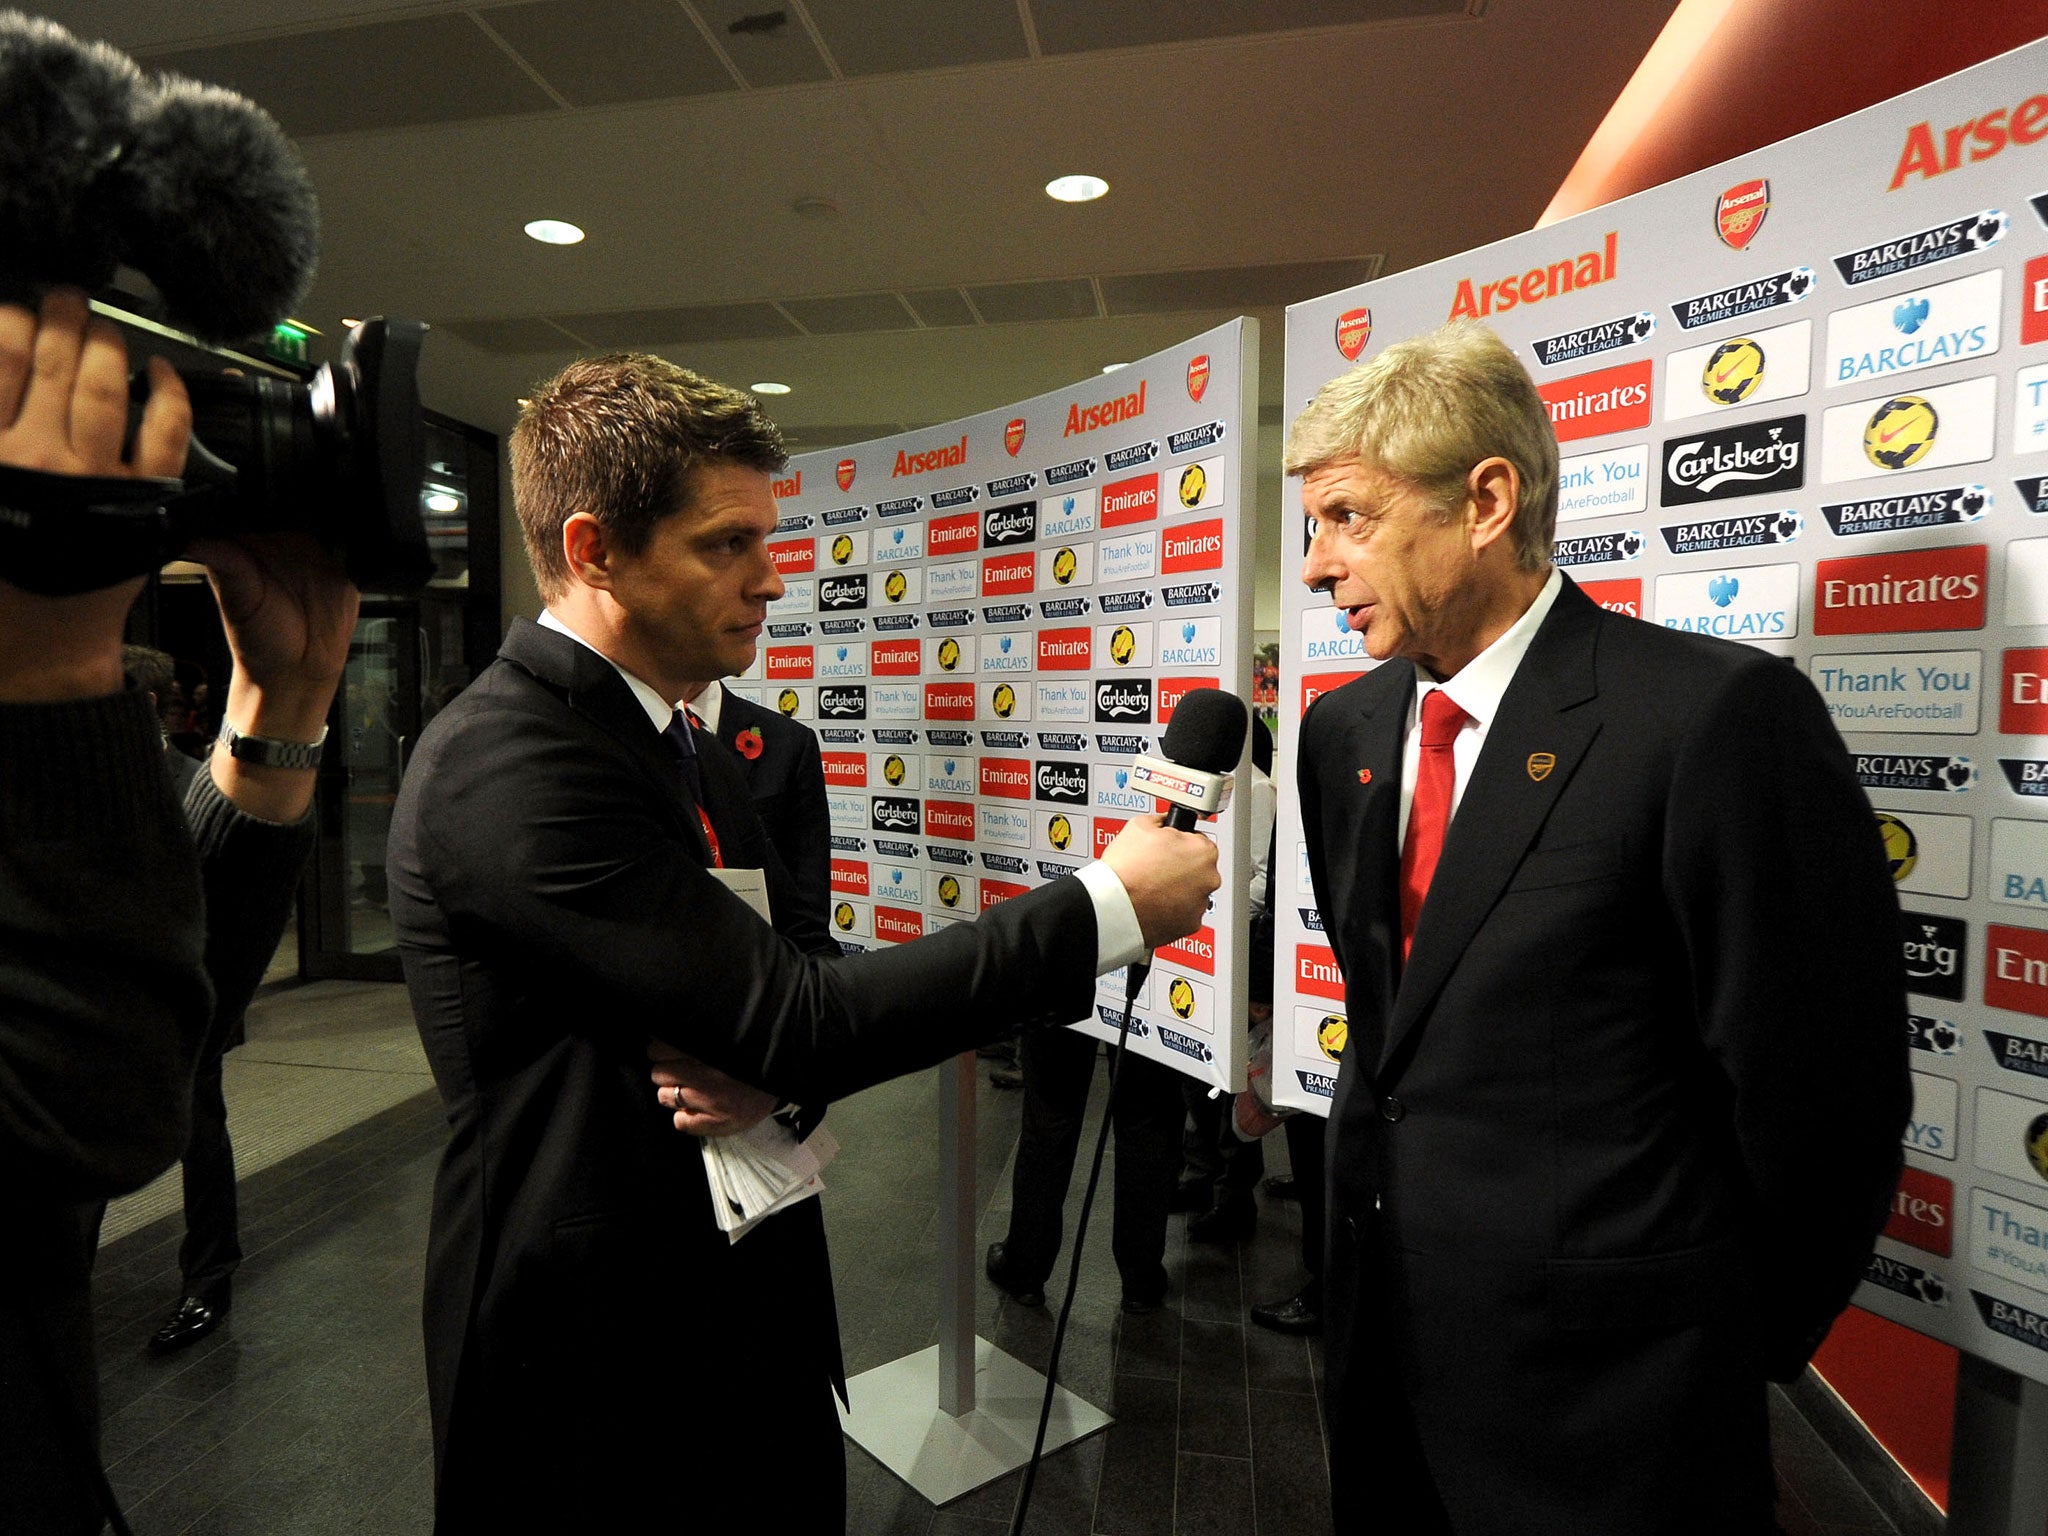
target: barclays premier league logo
<point>1598,548</point>
<point>1569,346</point>
<point>1941,242</point>
<point>1739,299</point>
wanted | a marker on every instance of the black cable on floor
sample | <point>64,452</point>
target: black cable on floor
<point>1059,1334</point>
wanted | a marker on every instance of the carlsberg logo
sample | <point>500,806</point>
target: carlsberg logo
<point>1708,471</point>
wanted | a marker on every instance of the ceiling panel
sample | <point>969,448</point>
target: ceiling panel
<point>1277,285</point>
<point>879,37</point>
<point>850,314</point>
<point>1060,298</point>
<point>767,54</point>
<point>635,329</point>
<point>1078,26</point>
<point>940,306</point>
<point>426,69</point>
<point>598,52</point>
<point>526,334</point>
<point>804,439</point>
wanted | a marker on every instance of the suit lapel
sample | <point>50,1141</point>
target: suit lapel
<point>592,687</point>
<point>1370,867</point>
<point>1510,795</point>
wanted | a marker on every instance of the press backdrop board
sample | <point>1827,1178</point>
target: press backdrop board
<point>987,621</point>
<point>1802,402</point>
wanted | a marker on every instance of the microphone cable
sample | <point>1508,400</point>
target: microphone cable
<point>1138,971</point>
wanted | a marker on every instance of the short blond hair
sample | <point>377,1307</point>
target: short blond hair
<point>1429,408</point>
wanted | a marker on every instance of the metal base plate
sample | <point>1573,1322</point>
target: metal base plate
<point>896,1419</point>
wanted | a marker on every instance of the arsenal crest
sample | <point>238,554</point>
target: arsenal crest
<point>846,474</point>
<point>1354,330</point>
<point>1540,764</point>
<point>1198,376</point>
<point>1013,436</point>
<point>1740,212</point>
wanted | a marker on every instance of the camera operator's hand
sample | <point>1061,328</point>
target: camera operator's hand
<point>289,612</point>
<point>64,409</point>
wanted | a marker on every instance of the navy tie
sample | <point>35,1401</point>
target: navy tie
<point>684,745</point>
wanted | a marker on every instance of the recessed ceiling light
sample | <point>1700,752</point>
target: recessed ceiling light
<point>351,324</point>
<point>769,387</point>
<point>444,501</point>
<point>1112,367</point>
<point>1076,189</point>
<point>554,232</point>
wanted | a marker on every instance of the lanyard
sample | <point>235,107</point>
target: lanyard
<point>717,858</point>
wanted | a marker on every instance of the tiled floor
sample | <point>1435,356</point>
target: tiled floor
<point>307,1411</point>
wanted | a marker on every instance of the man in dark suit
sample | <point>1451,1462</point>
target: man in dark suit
<point>785,778</point>
<point>1612,1139</point>
<point>564,856</point>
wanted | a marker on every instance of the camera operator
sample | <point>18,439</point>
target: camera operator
<point>121,931</point>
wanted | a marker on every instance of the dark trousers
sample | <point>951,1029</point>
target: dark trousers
<point>212,1247</point>
<point>1058,1066</point>
<point>49,1376</point>
<point>1213,1155</point>
<point>1305,1152</point>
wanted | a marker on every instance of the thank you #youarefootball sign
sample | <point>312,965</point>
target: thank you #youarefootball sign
<point>987,622</point>
<point>1801,402</point>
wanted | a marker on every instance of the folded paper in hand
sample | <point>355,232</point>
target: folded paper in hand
<point>763,1171</point>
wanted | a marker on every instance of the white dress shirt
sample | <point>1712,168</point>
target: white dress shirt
<point>1477,689</point>
<point>1118,939</point>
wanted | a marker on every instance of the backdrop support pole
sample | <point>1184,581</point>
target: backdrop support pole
<point>961,1413</point>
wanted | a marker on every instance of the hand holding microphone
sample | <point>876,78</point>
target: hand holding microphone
<point>1169,869</point>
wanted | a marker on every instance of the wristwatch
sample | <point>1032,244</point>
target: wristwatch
<point>268,752</point>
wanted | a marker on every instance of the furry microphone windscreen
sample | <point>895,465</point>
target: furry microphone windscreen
<point>193,186</point>
<point>63,132</point>
<point>220,211</point>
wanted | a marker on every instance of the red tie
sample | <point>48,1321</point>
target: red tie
<point>1430,812</point>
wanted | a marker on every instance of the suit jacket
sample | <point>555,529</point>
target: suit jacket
<point>1615,1143</point>
<point>597,1352</point>
<point>786,780</point>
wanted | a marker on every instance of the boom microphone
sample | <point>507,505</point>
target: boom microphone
<point>194,187</point>
<point>1203,742</point>
<point>197,189</point>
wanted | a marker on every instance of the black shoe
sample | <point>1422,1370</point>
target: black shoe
<point>1192,1196</point>
<point>1007,1078</point>
<point>1282,1187</point>
<point>1230,1222</point>
<point>1297,1314</point>
<point>1023,1295</point>
<point>998,1050</point>
<point>1138,1305</point>
<point>193,1321</point>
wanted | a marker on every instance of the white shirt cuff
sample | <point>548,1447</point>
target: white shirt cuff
<point>1118,938</point>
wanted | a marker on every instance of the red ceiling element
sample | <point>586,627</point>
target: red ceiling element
<point>1728,76</point>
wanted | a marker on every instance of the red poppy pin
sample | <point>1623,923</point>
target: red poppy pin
<point>749,742</point>
<point>1365,775</point>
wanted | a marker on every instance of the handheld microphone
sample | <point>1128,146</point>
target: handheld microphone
<point>1202,743</point>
